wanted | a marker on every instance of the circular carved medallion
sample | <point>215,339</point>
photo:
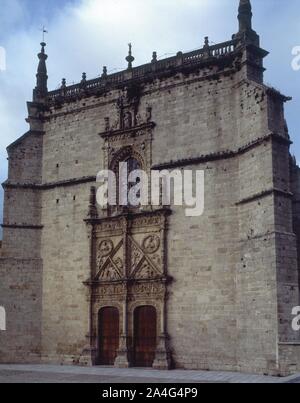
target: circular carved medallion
<point>151,244</point>
<point>105,247</point>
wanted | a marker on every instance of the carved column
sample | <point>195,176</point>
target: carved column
<point>122,360</point>
<point>90,352</point>
<point>163,356</point>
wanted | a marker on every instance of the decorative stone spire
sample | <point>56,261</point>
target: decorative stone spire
<point>245,16</point>
<point>83,80</point>
<point>130,59</point>
<point>63,86</point>
<point>104,74</point>
<point>252,64</point>
<point>246,34</point>
<point>154,57</point>
<point>92,212</point>
<point>41,89</point>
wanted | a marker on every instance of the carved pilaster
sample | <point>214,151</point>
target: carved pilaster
<point>123,360</point>
<point>163,356</point>
<point>88,357</point>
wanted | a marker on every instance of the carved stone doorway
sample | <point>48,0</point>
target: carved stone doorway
<point>128,263</point>
<point>145,336</point>
<point>109,338</point>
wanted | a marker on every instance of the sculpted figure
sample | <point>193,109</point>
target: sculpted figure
<point>127,120</point>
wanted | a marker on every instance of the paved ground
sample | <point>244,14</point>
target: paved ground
<point>67,374</point>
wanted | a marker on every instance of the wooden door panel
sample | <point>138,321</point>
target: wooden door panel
<point>145,336</point>
<point>109,335</point>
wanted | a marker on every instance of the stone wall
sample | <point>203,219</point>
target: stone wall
<point>21,296</point>
<point>21,268</point>
<point>65,251</point>
<point>295,185</point>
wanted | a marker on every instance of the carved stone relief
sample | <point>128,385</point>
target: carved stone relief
<point>109,260</point>
<point>132,276</point>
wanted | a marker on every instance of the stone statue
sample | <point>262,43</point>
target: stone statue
<point>127,120</point>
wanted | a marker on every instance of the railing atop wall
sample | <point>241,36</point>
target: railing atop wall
<point>181,59</point>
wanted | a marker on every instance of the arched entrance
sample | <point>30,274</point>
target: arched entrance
<point>109,335</point>
<point>145,336</point>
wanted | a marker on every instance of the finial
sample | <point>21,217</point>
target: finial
<point>107,124</point>
<point>154,57</point>
<point>43,33</point>
<point>104,74</point>
<point>41,89</point>
<point>43,45</point>
<point>245,16</point>
<point>92,213</point>
<point>83,81</point>
<point>149,113</point>
<point>130,59</point>
<point>206,42</point>
<point>63,83</point>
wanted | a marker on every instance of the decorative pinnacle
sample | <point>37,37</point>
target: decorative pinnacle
<point>245,16</point>
<point>41,89</point>
<point>130,59</point>
<point>104,74</point>
<point>63,83</point>
<point>43,45</point>
<point>154,57</point>
<point>92,213</point>
<point>206,42</point>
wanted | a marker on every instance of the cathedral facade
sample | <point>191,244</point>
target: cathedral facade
<point>149,286</point>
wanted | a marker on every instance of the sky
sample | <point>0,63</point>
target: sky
<point>84,35</point>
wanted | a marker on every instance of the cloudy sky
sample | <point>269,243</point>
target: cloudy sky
<point>84,35</point>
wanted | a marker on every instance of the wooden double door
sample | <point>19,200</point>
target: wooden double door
<point>109,335</point>
<point>144,337</point>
